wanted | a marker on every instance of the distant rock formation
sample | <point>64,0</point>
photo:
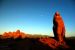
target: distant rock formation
<point>15,35</point>
<point>58,27</point>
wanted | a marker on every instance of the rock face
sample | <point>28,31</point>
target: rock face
<point>59,33</point>
<point>58,27</point>
<point>14,35</point>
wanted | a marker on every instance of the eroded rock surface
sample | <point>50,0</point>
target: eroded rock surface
<point>58,27</point>
<point>59,33</point>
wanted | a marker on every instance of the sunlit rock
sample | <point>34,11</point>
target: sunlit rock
<point>58,27</point>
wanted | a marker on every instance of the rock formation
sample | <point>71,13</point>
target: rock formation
<point>59,33</point>
<point>14,35</point>
<point>58,27</point>
<point>50,42</point>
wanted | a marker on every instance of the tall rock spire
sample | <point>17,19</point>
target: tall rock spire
<point>58,27</point>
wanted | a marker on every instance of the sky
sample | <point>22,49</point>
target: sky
<point>36,16</point>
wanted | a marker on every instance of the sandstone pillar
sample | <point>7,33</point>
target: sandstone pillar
<point>58,27</point>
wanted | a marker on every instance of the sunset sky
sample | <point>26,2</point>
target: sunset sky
<point>36,16</point>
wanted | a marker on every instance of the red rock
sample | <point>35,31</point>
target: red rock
<point>50,42</point>
<point>7,35</point>
<point>14,35</point>
<point>58,27</point>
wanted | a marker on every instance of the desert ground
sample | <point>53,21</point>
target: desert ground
<point>32,43</point>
